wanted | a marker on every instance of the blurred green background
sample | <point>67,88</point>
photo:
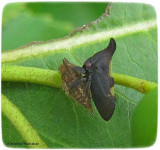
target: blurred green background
<point>26,22</point>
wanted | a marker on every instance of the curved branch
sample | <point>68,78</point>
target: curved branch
<point>19,121</point>
<point>53,78</point>
<point>140,85</point>
<point>31,74</point>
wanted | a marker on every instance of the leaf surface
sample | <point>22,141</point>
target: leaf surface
<point>144,130</point>
<point>58,120</point>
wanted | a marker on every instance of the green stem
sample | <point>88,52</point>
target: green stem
<point>140,85</point>
<point>19,121</point>
<point>30,74</point>
<point>53,78</point>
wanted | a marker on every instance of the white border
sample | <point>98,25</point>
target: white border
<point>154,3</point>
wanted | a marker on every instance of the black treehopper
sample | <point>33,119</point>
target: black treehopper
<point>96,77</point>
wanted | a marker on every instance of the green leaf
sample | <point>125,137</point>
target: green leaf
<point>84,12</point>
<point>57,119</point>
<point>144,125</point>
<point>7,127</point>
<point>23,27</point>
<point>22,125</point>
<point>27,22</point>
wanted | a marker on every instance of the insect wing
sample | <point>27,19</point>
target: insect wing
<point>101,94</point>
<point>72,85</point>
<point>102,82</point>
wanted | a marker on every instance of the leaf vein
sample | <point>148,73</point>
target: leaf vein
<point>109,134</point>
<point>76,121</point>
<point>125,98</point>
<point>68,43</point>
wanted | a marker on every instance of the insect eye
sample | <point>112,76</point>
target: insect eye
<point>87,65</point>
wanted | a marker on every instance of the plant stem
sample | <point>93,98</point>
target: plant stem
<point>19,121</point>
<point>53,78</point>
<point>31,74</point>
<point>140,85</point>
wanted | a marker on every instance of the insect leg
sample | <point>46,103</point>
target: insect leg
<point>88,85</point>
<point>79,69</point>
<point>76,83</point>
<point>111,82</point>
